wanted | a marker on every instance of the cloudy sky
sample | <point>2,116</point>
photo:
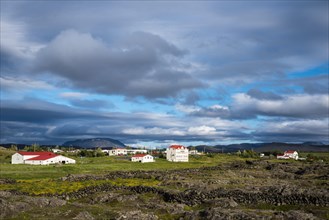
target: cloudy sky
<point>155,73</point>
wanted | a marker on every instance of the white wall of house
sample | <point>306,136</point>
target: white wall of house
<point>62,159</point>
<point>145,159</point>
<point>24,159</point>
<point>288,155</point>
<point>193,152</point>
<point>136,151</point>
<point>293,155</point>
<point>54,160</point>
<point>177,155</point>
<point>36,162</point>
<point>19,159</point>
<point>119,151</point>
<point>282,157</point>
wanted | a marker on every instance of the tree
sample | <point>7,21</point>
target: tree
<point>13,147</point>
<point>99,152</point>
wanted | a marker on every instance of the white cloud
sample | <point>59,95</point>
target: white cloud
<point>14,39</point>
<point>153,131</point>
<point>302,130</point>
<point>23,84</point>
<point>187,108</point>
<point>303,105</point>
<point>73,95</point>
<point>202,130</point>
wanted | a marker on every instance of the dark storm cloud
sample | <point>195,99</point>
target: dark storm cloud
<point>315,85</point>
<point>43,116</point>
<point>166,52</point>
<point>270,42</point>
<point>93,104</point>
<point>45,122</point>
<point>24,133</point>
<point>246,106</point>
<point>141,66</point>
<point>302,130</point>
<point>258,94</point>
<point>220,112</point>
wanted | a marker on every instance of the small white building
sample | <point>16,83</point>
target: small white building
<point>177,153</point>
<point>136,151</point>
<point>118,152</point>
<point>193,152</point>
<point>143,158</point>
<point>123,151</point>
<point>289,154</point>
<point>56,150</point>
<point>39,158</point>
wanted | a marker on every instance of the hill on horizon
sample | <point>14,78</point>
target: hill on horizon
<point>95,143</point>
<point>265,147</point>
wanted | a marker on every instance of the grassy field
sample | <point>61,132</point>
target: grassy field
<point>100,165</point>
<point>36,180</point>
<point>46,181</point>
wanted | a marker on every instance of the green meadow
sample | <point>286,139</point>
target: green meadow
<point>37,179</point>
<point>101,165</point>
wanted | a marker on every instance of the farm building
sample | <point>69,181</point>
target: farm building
<point>122,151</point>
<point>39,158</point>
<point>177,153</point>
<point>289,154</point>
<point>143,158</point>
<point>118,151</point>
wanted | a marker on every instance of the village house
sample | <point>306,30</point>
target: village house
<point>177,153</point>
<point>194,152</point>
<point>39,158</point>
<point>136,151</point>
<point>143,158</point>
<point>118,152</point>
<point>123,151</point>
<point>289,154</point>
<point>56,151</point>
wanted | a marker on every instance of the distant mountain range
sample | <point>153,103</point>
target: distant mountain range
<point>265,147</point>
<point>95,143</point>
<point>109,143</point>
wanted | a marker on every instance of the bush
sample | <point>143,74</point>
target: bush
<point>249,154</point>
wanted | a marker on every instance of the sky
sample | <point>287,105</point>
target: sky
<point>158,73</point>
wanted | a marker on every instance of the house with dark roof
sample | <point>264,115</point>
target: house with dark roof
<point>143,158</point>
<point>39,158</point>
<point>177,153</point>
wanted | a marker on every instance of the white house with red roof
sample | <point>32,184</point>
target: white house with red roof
<point>289,154</point>
<point>177,153</point>
<point>143,158</point>
<point>39,158</point>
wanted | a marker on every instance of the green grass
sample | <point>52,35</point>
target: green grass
<point>5,155</point>
<point>47,186</point>
<point>101,165</point>
<point>36,179</point>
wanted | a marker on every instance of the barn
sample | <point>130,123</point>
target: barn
<point>39,158</point>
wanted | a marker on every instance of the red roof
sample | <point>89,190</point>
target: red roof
<point>177,146</point>
<point>43,155</point>
<point>139,155</point>
<point>289,151</point>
